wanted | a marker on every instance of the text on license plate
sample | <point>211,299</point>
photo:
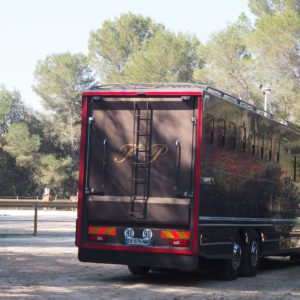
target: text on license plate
<point>137,242</point>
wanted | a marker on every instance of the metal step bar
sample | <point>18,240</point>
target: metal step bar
<point>141,160</point>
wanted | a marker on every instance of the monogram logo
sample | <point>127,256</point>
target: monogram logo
<point>127,152</point>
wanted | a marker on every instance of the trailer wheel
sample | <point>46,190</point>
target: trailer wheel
<point>251,257</point>
<point>231,267</point>
<point>138,270</point>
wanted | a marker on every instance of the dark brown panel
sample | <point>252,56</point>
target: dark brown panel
<point>169,211</point>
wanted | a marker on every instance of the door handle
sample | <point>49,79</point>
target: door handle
<point>104,164</point>
<point>177,165</point>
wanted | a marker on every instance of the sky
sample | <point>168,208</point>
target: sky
<point>32,29</point>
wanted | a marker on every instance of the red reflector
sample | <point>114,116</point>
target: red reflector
<point>97,238</point>
<point>179,243</point>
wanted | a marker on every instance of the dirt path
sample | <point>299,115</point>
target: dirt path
<point>47,268</point>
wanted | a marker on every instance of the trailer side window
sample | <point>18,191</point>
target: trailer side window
<point>232,135</point>
<point>289,163</point>
<point>286,159</point>
<point>242,139</point>
<point>251,143</point>
<point>268,148</point>
<point>297,168</point>
<point>276,156</point>
<point>209,130</point>
<point>259,146</point>
<point>221,133</point>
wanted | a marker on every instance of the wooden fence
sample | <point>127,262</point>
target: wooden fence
<point>35,205</point>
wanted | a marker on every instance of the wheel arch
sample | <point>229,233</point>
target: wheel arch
<point>259,234</point>
<point>242,233</point>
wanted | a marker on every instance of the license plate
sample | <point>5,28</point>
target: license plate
<point>138,242</point>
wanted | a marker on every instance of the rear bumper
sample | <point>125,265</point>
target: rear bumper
<point>157,260</point>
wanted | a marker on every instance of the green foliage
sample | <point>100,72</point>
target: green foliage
<point>11,110</point>
<point>60,174</point>
<point>111,46</point>
<point>275,43</point>
<point>262,8</point>
<point>15,180</point>
<point>243,58</point>
<point>166,57</point>
<point>59,80</point>
<point>133,48</point>
<point>21,144</point>
<point>229,61</point>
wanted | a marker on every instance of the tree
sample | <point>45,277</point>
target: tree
<point>261,8</point>
<point>166,57</point>
<point>228,62</point>
<point>275,44</point>
<point>21,144</point>
<point>59,80</point>
<point>19,161</point>
<point>14,179</point>
<point>60,174</point>
<point>12,110</point>
<point>111,46</point>
<point>133,48</point>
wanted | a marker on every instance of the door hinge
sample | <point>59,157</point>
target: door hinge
<point>194,120</point>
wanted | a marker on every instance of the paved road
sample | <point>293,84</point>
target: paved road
<point>46,267</point>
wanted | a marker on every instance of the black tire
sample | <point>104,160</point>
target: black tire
<point>230,268</point>
<point>251,256</point>
<point>138,270</point>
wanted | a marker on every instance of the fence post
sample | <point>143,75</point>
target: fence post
<point>35,219</point>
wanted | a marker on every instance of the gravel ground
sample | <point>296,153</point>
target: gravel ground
<point>46,267</point>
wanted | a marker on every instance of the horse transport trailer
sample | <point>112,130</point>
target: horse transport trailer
<point>172,175</point>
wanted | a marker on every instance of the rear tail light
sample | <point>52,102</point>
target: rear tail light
<point>101,234</point>
<point>176,238</point>
<point>179,243</point>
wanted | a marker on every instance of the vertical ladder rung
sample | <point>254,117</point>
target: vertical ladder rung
<point>142,132</point>
<point>141,161</point>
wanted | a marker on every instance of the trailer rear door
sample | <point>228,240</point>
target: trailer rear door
<point>140,156</point>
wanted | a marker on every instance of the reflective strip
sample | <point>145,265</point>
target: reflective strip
<point>174,234</point>
<point>102,230</point>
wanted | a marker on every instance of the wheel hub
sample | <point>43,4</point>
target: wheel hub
<point>236,256</point>
<point>254,253</point>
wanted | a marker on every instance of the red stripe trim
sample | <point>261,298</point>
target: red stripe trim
<point>81,172</point>
<point>128,94</point>
<point>111,231</point>
<point>137,93</point>
<point>197,177</point>
<point>167,93</point>
<point>187,234</point>
<point>102,230</point>
<point>176,234</point>
<point>135,249</point>
<point>163,235</point>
